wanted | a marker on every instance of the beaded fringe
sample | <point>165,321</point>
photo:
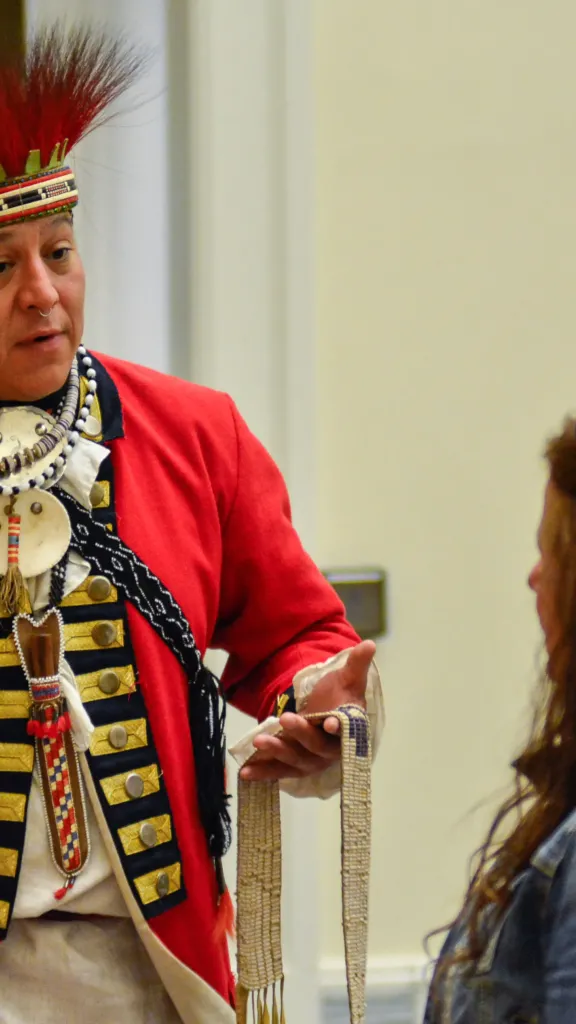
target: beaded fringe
<point>259,953</point>
<point>264,1006</point>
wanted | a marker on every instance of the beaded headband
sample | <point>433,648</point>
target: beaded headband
<point>37,197</point>
<point>49,102</point>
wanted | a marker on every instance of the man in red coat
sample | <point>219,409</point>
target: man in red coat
<point>143,523</point>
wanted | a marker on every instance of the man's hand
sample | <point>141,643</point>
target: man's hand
<point>302,748</point>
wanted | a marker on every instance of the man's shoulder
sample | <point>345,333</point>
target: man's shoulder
<point>141,387</point>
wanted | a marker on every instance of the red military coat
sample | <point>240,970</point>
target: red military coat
<point>199,499</point>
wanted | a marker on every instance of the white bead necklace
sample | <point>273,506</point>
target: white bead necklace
<point>66,433</point>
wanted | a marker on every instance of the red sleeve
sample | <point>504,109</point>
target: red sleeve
<point>277,612</point>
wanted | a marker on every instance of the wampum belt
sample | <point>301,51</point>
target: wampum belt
<point>260,971</point>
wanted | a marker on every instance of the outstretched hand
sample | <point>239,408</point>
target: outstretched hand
<point>303,748</point>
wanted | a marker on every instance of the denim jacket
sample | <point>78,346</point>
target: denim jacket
<point>527,974</point>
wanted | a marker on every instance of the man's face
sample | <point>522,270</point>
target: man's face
<point>40,271</point>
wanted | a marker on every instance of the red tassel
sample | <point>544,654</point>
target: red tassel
<point>225,918</point>
<point>64,723</point>
<point>44,730</point>
<point>61,893</point>
<point>50,729</point>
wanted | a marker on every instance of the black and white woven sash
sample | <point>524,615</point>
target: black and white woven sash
<point>110,557</point>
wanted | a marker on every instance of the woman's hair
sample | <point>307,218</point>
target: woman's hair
<point>545,785</point>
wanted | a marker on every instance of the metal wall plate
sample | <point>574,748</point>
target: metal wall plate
<point>363,593</point>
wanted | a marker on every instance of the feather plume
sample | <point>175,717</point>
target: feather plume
<point>62,90</point>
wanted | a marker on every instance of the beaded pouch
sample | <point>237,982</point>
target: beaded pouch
<point>40,646</point>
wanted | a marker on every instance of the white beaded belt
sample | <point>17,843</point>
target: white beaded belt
<point>260,970</point>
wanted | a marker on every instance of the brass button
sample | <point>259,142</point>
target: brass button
<point>97,495</point>
<point>148,835</point>
<point>99,588</point>
<point>104,634</point>
<point>134,786</point>
<point>109,682</point>
<point>118,737</point>
<point>162,884</point>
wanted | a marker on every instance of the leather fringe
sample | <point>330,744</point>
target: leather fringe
<point>12,590</point>
<point>265,1006</point>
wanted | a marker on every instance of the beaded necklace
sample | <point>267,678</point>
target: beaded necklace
<point>54,435</point>
<point>57,438</point>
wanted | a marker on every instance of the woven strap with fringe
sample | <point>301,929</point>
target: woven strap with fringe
<point>260,972</point>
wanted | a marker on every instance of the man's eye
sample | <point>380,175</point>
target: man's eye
<point>61,253</point>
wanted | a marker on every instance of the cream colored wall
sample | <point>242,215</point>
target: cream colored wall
<point>446,192</point>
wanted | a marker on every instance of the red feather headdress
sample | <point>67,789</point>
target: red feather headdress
<point>56,96</point>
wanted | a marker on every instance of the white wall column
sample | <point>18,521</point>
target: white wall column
<point>252,237</point>
<point>123,174</point>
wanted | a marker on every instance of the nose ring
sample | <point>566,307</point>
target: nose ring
<point>46,315</point>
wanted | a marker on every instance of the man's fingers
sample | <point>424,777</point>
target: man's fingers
<point>332,726</point>
<point>310,736</point>
<point>304,748</point>
<point>273,749</point>
<point>359,661</point>
<point>266,771</point>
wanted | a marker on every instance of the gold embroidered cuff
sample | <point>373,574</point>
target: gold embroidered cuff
<point>90,688</point>
<point>117,792</point>
<point>12,806</point>
<point>4,913</point>
<point>8,862</point>
<point>16,757</point>
<point>112,739</point>
<point>144,835</point>
<point>281,704</point>
<point>158,884</point>
<point>14,703</point>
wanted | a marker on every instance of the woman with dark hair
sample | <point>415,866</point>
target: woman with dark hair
<point>511,953</point>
